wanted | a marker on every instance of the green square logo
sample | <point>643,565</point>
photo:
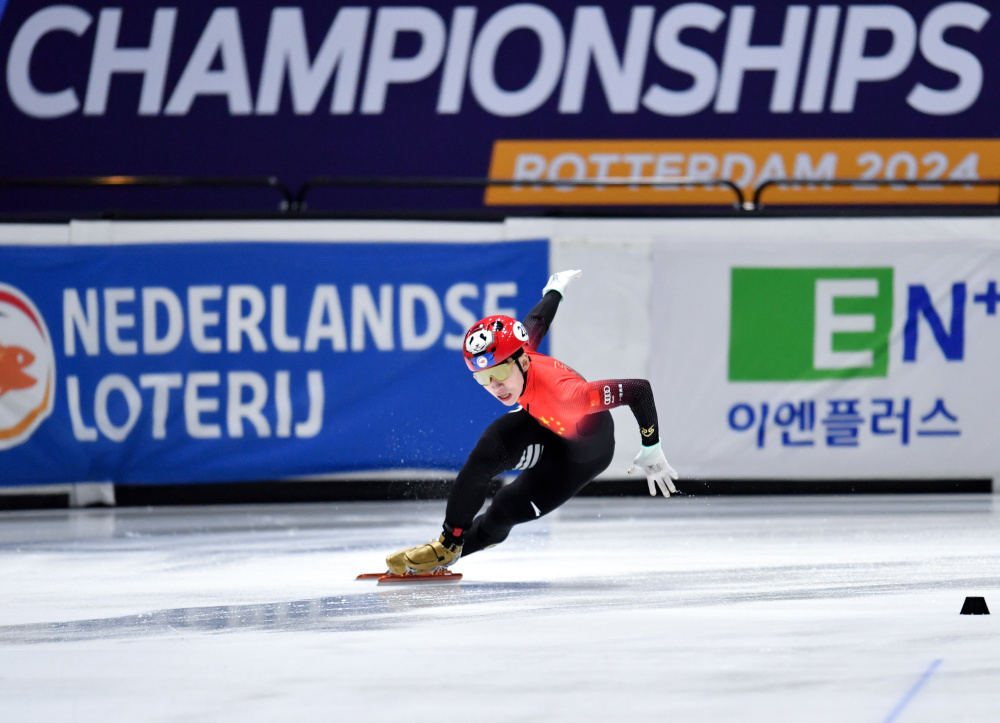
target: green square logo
<point>809,324</point>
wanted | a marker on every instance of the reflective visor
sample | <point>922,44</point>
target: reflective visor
<point>500,372</point>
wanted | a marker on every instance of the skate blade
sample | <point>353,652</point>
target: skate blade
<point>385,578</point>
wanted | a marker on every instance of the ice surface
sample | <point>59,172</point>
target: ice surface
<point>688,609</point>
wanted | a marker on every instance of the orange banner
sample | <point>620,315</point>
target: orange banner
<point>748,164</point>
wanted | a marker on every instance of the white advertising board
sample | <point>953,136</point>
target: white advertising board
<point>777,349</point>
<point>829,349</point>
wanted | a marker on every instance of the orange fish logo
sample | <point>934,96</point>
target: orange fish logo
<point>27,368</point>
<point>13,361</point>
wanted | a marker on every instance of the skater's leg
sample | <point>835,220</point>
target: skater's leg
<point>511,506</point>
<point>535,493</point>
<point>500,449</point>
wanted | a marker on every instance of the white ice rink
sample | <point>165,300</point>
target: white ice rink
<point>689,609</point>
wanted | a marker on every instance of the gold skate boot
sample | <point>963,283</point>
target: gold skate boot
<point>435,555</point>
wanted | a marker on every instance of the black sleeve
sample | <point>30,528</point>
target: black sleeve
<point>538,320</point>
<point>637,394</point>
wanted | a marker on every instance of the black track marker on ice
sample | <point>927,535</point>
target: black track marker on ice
<point>975,606</point>
<point>913,691</point>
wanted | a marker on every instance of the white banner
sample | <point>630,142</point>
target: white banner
<point>860,348</point>
<point>829,349</point>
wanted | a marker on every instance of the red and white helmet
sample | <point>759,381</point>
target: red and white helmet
<point>492,340</point>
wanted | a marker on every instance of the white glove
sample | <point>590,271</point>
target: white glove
<point>560,280</point>
<point>651,462</point>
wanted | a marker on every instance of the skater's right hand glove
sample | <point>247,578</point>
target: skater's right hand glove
<point>560,280</point>
<point>651,462</point>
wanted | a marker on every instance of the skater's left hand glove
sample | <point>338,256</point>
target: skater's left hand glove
<point>560,280</point>
<point>651,462</point>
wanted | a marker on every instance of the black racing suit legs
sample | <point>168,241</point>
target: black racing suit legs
<point>554,469</point>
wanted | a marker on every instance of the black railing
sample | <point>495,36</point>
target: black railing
<point>867,184</point>
<point>294,202</point>
<point>389,182</point>
<point>287,202</point>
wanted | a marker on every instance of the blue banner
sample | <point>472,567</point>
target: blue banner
<point>208,362</point>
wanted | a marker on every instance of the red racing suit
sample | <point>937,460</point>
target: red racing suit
<point>562,400</point>
<point>560,439</point>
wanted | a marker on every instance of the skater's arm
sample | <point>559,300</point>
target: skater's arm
<point>636,394</point>
<point>540,318</point>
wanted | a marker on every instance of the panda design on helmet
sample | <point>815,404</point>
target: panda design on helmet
<point>478,341</point>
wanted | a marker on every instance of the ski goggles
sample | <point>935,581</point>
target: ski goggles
<point>501,372</point>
